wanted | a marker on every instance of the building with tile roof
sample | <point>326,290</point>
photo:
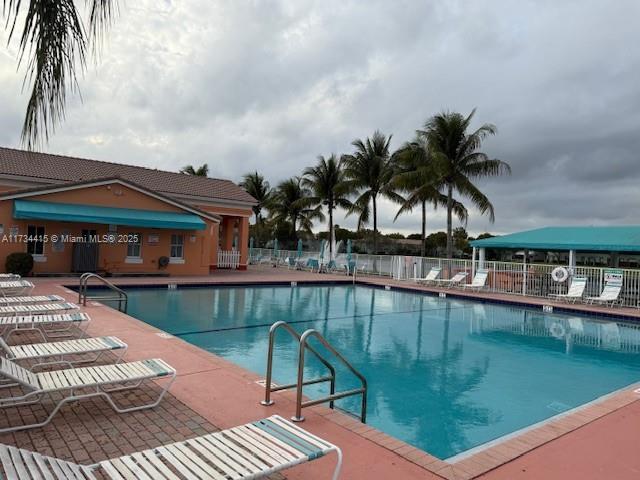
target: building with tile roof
<point>180,224</point>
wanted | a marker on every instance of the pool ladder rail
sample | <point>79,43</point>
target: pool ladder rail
<point>303,346</point>
<point>119,295</point>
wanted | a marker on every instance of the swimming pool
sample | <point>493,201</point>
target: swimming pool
<point>445,375</point>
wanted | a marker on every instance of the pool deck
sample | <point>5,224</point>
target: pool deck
<point>594,442</point>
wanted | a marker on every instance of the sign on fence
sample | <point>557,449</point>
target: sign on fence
<point>613,275</point>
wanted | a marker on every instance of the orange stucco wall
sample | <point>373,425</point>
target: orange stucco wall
<point>200,247</point>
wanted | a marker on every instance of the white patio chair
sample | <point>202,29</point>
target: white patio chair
<point>250,451</point>
<point>45,325</point>
<point>479,280</point>
<point>27,299</point>
<point>453,281</point>
<point>38,308</point>
<point>10,276</point>
<point>16,287</point>
<point>67,352</point>
<point>575,292</point>
<point>433,275</point>
<point>92,380</point>
<point>610,294</point>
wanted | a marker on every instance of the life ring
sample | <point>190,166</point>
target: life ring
<point>557,330</point>
<point>560,274</point>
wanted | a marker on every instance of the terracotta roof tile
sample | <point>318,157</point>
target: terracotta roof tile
<point>58,168</point>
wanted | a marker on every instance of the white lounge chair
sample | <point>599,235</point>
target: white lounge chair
<point>21,300</point>
<point>68,352</point>
<point>12,276</point>
<point>16,287</point>
<point>455,280</point>
<point>610,294</point>
<point>253,450</point>
<point>291,263</point>
<point>433,275</point>
<point>92,380</point>
<point>37,309</point>
<point>479,280</point>
<point>43,324</point>
<point>575,292</point>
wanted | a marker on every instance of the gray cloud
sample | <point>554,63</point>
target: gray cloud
<point>270,85</point>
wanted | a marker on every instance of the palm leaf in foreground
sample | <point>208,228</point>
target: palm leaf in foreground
<point>53,42</point>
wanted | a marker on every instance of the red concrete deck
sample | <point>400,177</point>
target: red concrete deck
<point>596,442</point>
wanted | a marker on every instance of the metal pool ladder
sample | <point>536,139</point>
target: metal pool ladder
<point>303,346</point>
<point>119,295</point>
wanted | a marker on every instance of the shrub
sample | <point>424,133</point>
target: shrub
<point>20,263</point>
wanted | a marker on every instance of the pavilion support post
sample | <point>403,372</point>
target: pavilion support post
<point>615,259</point>
<point>572,262</point>
<point>481,257</point>
<point>473,262</point>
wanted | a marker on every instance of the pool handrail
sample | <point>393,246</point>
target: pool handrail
<point>269,388</point>
<point>333,396</point>
<point>83,293</point>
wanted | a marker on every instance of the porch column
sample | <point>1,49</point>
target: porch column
<point>214,231</point>
<point>227,239</point>
<point>243,243</point>
<point>481,257</point>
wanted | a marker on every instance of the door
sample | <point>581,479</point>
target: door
<point>85,253</point>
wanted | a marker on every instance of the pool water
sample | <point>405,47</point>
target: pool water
<point>444,375</point>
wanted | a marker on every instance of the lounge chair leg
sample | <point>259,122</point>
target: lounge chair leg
<point>336,472</point>
<point>19,401</point>
<point>107,396</point>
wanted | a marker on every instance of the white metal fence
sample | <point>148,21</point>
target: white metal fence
<point>529,279</point>
<point>228,258</point>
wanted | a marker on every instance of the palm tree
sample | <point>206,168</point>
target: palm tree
<point>328,187</point>
<point>55,37</point>
<point>416,175</point>
<point>258,188</point>
<point>202,171</point>
<point>369,171</point>
<point>290,206</point>
<point>458,161</point>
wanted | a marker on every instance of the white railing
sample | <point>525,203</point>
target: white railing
<point>532,279</point>
<point>228,258</point>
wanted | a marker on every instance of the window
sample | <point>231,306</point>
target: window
<point>134,245</point>
<point>177,246</point>
<point>35,240</point>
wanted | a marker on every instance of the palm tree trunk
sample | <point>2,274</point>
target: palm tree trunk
<point>375,227</point>
<point>423,246</point>
<point>449,222</point>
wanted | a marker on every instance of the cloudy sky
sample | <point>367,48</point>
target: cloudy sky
<point>269,85</point>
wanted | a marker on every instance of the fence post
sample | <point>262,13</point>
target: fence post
<point>524,273</point>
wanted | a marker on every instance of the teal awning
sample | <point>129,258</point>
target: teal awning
<point>69,212</point>
<point>584,239</point>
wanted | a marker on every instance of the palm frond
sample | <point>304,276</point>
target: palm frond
<point>478,199</point>
<point>54,39</point>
